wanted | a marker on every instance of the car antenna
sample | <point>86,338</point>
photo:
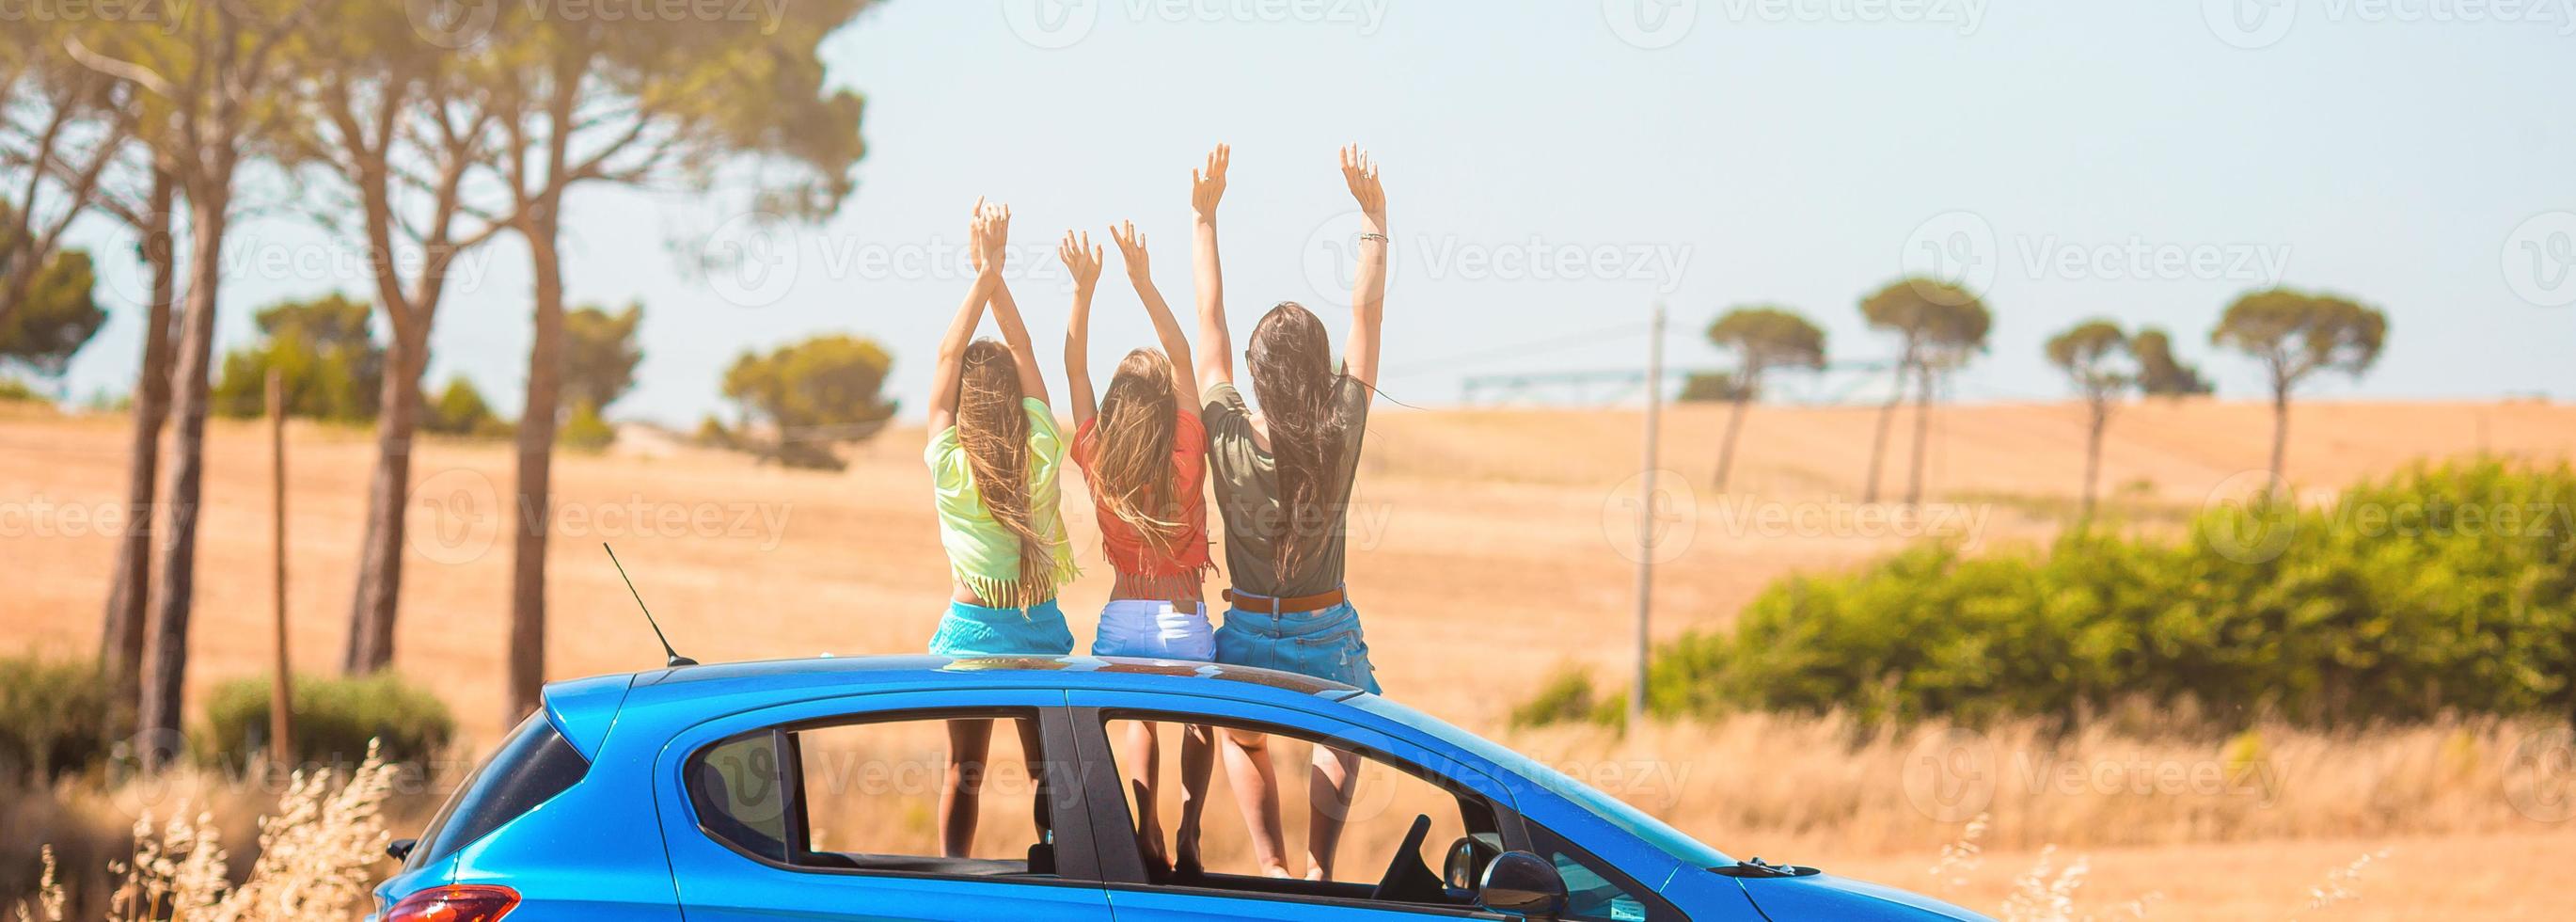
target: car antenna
<point>676,660</point>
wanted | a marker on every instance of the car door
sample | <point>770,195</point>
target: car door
<point>1481,810</point>
<point>764,821</point>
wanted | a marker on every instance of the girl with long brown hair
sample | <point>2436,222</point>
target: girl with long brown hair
<point>1144,454</point>
<point>993,455</point>
<point>1283,484</point>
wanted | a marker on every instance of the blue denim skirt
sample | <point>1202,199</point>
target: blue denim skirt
<point>1325,643</point>
<point>975,630</point>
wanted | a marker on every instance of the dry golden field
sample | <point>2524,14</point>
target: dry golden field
<point>1490,547</point>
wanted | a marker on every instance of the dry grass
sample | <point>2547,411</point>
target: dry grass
<point>1487,552</point>
<point>317,856</point>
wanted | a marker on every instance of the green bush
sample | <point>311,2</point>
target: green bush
<point>13,390</point>
<point>334,719</point>
<point>459,409</point>
<point>2440,589</point>
<point>584,431</point>
<point>57,717</point>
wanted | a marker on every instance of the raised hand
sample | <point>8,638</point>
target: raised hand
<point>1207,184</point>
<point>993,236</point>
<point>1082,258</point>
<point>1131,249</point>
<point>1360,173</point>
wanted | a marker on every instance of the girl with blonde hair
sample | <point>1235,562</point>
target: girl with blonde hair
<point>993,455</point>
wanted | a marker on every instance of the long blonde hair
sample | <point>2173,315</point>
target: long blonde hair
<point>1131,469</point>
<point>993,431</point>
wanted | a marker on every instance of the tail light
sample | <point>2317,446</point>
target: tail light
<point>455,903</point>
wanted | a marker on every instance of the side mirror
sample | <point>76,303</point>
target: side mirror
<point>1522,884</point>
<point>400,849</point>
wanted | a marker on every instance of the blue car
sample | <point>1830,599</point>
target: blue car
<point>695,793</point>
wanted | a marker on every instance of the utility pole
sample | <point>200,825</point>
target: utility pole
<point>1646,511</point>
<point>281,696</point>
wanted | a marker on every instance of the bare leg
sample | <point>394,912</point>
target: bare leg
<point>1198,759</point>
<point>962,791</point>
<point>1032,750</point>
<point>1329,788</point>
<point>1256,791</point>
<point>1143,763</point>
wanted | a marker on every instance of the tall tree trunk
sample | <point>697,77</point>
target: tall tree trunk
<point>166,656</point>
<point>1886,415</point>
<point>2280,434</point>
<point>130,587</point>
<point>1734,425</point>
<point>371,613</point>
<point>2100,415</point>
<point>533,510</point>
<point>1922,431</point>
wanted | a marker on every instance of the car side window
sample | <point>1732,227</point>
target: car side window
<point>863,795</point>
<point>1379,857</point>
<point>1596,892</point>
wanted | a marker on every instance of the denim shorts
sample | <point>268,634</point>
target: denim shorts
<point>1325,643</point>
<point>1154,630</point>
<point>975,630</point>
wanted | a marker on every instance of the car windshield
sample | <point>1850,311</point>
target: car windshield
<point>1610,809</point>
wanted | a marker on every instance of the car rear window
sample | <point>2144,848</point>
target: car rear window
<point>533,765</point>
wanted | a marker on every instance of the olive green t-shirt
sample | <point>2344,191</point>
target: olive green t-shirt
<point>1247,497</point>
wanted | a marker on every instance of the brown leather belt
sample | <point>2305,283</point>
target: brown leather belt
<point>1275,605</point>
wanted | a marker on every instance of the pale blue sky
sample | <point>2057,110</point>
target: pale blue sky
<point>1799,153</point>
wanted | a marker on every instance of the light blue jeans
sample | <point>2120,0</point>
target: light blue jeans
<point>1325,643</point>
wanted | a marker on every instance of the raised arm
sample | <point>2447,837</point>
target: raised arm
<point>952,346</point>
<point>1368,290</point>
<point>1167,328</point>
<point>1006,312</point>
<point>1216,348</point>
<point>1082,259</point>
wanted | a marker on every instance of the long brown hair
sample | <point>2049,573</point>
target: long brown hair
<point>1290,360</point>
<point>994,432</point>
<point>1131,470</point>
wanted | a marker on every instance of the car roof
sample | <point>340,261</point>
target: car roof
<point>930,672</point>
